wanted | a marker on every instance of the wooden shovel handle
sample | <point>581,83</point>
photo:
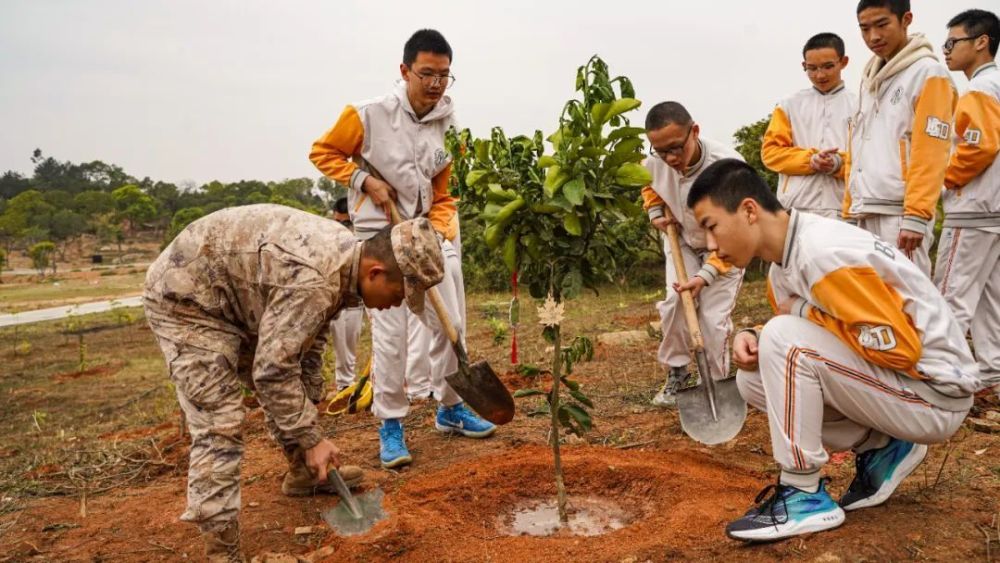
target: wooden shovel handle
<point>690,313</point>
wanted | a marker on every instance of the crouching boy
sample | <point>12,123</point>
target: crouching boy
<point>864,353</point>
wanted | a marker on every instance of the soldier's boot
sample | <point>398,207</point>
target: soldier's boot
<point>222,544</point>
<point>300,481</point>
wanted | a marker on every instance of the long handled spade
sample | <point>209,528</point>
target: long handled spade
<point>477,384</point>
<point>713,411</point>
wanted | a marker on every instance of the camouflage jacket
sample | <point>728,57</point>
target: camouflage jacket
<point>265,276</point>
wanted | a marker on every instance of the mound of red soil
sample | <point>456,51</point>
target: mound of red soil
<point>454,514</point>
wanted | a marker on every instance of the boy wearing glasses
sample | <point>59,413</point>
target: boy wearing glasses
<point>808,131</point>
<point>968,264</point>
<point>901,135</point>
<point>678,154</point>
<point>401,136</point>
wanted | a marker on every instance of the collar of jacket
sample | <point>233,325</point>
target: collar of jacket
<point>694,168</point>
<point>878,70</point>
<point>984,68</point>
<point>836,89</point>
<point>793,227</point>
<point>440,110</point>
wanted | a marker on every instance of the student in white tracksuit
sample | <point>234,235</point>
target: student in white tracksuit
<point>806,139</point>
<point>900,136</point>
<point>401,136</point>
<point>864,353</point>
<point>968,264</point>
<point>678,155</point>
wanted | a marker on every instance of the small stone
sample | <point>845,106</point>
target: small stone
<point>305,530</point>
<point>983,425</point>
<point>253,504</point>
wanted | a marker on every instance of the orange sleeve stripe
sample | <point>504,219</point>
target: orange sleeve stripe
<point>770,296</point>
<point>976,119</point>
<point>444,205</point>
<point>651,199</point>
<point>930,148</point>
<point>331,153</point>
<point>858,306</point>
<point>718,263</point>
<point>778,150</point>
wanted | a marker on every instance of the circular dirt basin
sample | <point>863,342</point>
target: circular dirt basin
<point>465,512</point>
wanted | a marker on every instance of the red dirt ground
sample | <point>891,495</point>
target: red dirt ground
<point>445,507</point>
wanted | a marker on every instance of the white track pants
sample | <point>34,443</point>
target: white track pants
<point>390,344</point>
<point>887,227</point>
<point>968,275</point>
<point>819,393</point>
<point>715,306</point>
<point>344,332</point>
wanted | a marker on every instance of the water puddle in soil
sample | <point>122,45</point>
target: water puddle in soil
<point>588,516</point>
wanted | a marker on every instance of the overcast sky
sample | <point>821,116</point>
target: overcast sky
<point>186,90</point>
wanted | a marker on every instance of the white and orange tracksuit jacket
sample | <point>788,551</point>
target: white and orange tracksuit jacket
<point>407,151</point>
<point>973,176</point>
<point>900,143</point>
<point>670,188</point>
<point>878,303</point>
<point>802,125</point>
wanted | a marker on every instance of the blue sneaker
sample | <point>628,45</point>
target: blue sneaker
<point>459,419</point>
<point>787,512</point>
<point>879,472</point>
<point>392,450</point>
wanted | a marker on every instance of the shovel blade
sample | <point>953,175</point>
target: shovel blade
<point>482,390</point>
<point>696,412</point>
<point>346,522</point>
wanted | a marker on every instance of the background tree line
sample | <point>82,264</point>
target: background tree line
<point>44,214</point>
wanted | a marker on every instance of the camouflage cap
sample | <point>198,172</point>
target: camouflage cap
<point>418,253</point>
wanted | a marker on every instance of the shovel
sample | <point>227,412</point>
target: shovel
<point>354,514</point>
<point>713,411</point>
<point>477,384</point>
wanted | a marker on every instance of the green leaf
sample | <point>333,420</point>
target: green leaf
<point>482,150</point>
<point>581,416</point>
<point>546,161</point>
<point>527,370</point>
<point>628,145</point>
<point>621,106</point>
<point>474,176</point>
<point>571,222</point>
<point>631,174</point>
<point>574,191</point>
<point>623,132</point>
<point>583,399</point>
<point>554,179</point>
<point>570,384</point>
<point>598,113</point>
<point>572,283</point>
<point>527,393</point>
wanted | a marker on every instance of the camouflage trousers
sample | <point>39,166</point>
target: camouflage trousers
<point>209,385</point>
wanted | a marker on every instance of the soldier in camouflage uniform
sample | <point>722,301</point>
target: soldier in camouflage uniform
<point>242,297</point>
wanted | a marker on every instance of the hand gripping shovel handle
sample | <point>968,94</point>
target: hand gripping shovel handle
<point>690,313</point>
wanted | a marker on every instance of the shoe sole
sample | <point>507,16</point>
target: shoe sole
<point>903,470</point>
<point>401,460</point>
<point>816,523</point>
<point>467,433</point>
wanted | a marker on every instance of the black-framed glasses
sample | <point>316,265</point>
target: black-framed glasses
<point>825,67</point>
<point>429,79</point>
<point>672,151</point>
<point>950,43</point>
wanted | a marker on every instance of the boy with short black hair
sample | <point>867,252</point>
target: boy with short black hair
<point>806,140</point>
<point>968,265</point>
<point>678,154</point>
<point>901,135</point>
<point>864,353</point>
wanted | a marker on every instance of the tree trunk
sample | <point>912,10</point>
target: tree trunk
<point>554,405</point>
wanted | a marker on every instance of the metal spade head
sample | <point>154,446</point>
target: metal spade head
<point>707,425</point>
<point>353,515</point>
<point>482,390</point>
